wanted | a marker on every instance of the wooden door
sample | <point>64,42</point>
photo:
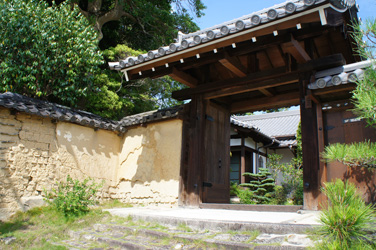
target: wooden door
<point>342,126</point>
<point>216,167</point>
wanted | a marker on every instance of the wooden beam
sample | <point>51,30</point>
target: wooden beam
<point>264,103</point>
<point>266,92</point>
<point>300,49</point>
<point>334,89</point>
<point>234,65</point>
<point>275,82</point>
<point>268,58</point>
<point>317,64</point>
<point>184,78</point>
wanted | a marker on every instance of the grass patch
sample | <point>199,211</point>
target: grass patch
<point>38,227</point>
<point>113,203</point>
<point>184,227</point>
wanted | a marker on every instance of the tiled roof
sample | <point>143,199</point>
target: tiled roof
<point>349,73</point>
<point>185,41</point>
<point>55,111</point>
<point>253,128</point>
<point>274,125</point>
<point>149,116</point>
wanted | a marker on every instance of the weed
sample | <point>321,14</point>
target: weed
<point>73,197</point>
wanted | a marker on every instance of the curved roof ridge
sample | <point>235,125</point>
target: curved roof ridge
<point>233,21</point>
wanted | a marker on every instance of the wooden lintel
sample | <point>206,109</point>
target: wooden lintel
<point>184,78</point>
<point>300,49</point>
<point>266,92</point>
<point>278,81</point>
<point>224,85</point>
<point>264,103</point>
<point>234,65</point>
<point>334,89</point>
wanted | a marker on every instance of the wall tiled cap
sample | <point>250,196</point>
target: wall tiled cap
<point>58,112</point>
<point>150,116</point>
<point>54,111</point>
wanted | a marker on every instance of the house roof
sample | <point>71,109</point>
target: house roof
<point>62,113</point>
<point>248,22</point>
<point>254,131</point>
<point>279,125</point>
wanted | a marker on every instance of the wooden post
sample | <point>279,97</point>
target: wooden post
<point>242,161</point>
<point>310,147</point>
<point>321,145</point>
<point>192,154</point>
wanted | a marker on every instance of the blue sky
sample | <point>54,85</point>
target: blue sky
<point>219,11</point>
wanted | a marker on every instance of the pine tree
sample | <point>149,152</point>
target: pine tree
<point>261,185</point>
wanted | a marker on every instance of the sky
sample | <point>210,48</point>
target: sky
<point>219,11</point>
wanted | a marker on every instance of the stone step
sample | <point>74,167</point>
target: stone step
<point>111,236</point>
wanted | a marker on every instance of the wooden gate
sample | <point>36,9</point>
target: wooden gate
<point>216,171</point>
<point>342,126</point>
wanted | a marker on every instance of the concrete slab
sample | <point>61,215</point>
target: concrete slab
<point>220,219</point>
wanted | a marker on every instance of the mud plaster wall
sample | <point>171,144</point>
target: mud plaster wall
<point>142,166</point>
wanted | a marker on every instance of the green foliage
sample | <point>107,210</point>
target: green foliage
<point>46,52</point>
<point>364,95</point>
<point>73,197</point>
<point>246,196</point>
<point>292,172</point>
<point>298,194</point>
<point>347,220</point>
<point>359,154</point>
<point>234,189</point>
<point>299,149</point>
<point>142,24</point>
<point>115,98</point>
<point>261,185</point>
<point>279,196</point>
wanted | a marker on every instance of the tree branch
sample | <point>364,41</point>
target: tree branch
<point>115,14</point>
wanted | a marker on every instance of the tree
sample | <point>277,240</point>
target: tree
<point>47,52</point>
<point>364,99</point>
<point>142,24</point>
<point>113,97</point>
<point>261,185</point>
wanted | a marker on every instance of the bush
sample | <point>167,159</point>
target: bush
<point>261,186</point>
<point>280,195</point>
<point>234,189</point>
<point>246,196</point>
<point>73,197</point>
<point>347,220</point>
<point>297,195</point>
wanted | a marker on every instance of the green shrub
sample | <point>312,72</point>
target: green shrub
<point>280,195</point>
<point>73,197</point>
<point>234,189</point>
<point>297,195</point>
<point>261,185</point>
<point>347,220</point>
<point>246,196</point>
